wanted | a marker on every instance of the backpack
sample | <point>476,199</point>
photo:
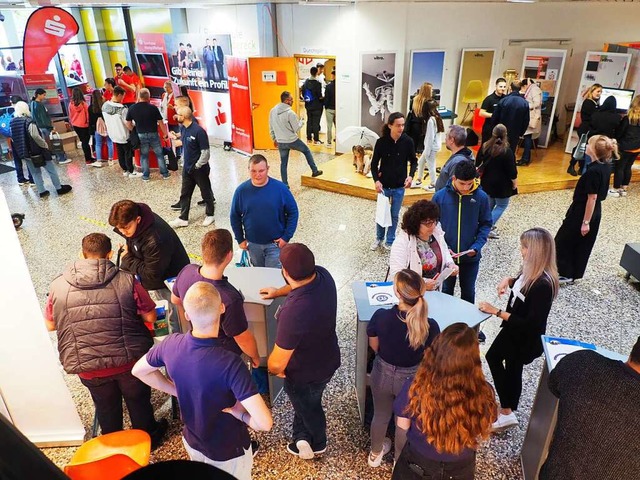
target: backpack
<point>307,93</point>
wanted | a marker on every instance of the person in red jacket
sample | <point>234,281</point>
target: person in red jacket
<point>79,119</point>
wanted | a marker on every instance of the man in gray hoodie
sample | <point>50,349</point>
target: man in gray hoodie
<point>284,125</point>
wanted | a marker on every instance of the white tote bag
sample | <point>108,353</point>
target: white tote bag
<point>383,211</point>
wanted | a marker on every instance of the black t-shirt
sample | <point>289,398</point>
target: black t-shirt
<point>194,141</point>
<point>594,180</point>
<point>489,104</point>
<point>498,173</point>
<point>146,117</point>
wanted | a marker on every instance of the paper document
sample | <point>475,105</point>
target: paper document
<point>381,293</point>
<point>169,283</point>
<point>446,273</point>
<point>558,348</point>
<point>461,254</point>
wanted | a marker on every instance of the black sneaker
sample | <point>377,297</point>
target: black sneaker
<point>571,171</point>
<point>176,206</point>
<point>255,446</point>
<point>64,189</point>
<point>481,337</point>
<point>202,203</point>
<point>317,173</point>
<point>157,436</point>
<point>44,194</point>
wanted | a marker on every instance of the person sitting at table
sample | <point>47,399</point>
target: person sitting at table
<point>420,244</point>
<point>217,253</point>
<point>444,411</point>
<point>518,344</point>
<point>399,335</point>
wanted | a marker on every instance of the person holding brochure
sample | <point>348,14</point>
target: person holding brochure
<point>420,245</point>
<point>524,320</point>
<point>399,335</point>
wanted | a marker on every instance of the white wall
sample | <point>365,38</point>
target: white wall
<point>402,27</point>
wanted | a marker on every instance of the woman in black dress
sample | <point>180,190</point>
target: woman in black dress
<point>590,105</point>
<point>577,235</point>
<point>523,321</point>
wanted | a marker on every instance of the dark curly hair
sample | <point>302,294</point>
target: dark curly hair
<point>417,213</point>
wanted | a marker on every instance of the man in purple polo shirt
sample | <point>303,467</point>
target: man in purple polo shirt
<point>217,396</point>
<point>306,352</point>
<point>217,253</point>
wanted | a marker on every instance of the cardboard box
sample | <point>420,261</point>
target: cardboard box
<point>69,141</point>
<point>61,126</point>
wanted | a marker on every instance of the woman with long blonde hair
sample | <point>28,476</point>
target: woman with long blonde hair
<point>444,412</point>
<point>417,117</point>
<point>399,336</point>
<point>590,105</point>
<point>629,144</point>
<point>578,232</point>
<point>524,320</point>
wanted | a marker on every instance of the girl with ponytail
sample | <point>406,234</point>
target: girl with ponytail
<point>498,173</point>
<point>399,336</point>
<point>577,235</point>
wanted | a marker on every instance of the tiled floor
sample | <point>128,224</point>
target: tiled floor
<point>603,308</point>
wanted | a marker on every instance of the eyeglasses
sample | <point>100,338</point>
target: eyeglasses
<point>429,223</point>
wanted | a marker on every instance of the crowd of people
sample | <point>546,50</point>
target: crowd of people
<point>430,380</point>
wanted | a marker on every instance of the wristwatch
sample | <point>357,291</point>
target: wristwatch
<point>584,222</point>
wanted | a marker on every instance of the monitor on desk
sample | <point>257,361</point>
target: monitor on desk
<point>623,97</point>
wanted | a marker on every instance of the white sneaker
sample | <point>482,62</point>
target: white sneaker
<point>416,183</point>
<point>112,162</point>
<point>622,192</point>
<point>304,450</point>
<point>65,161</point>
<point>208,221</point>
<point>374,461</point>
<point>429,188</point>
<point>135,175</point>
<point>504,422</point>
<point>375,245</point>
<point>125,174</point>
<point>614,193</point>
<point>179,223</point>
<point>97,164</point>
<point>565,281</point>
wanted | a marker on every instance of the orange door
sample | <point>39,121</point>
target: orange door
<point>268,78</point>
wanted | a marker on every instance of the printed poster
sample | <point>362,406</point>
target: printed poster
<point>240,98</point>
<point>475,82</point>
<point>426,66</point>
<point>377,99</point>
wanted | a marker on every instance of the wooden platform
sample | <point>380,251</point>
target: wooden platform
<point>547,171</point>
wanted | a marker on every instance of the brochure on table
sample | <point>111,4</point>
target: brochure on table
<point>556,348</point>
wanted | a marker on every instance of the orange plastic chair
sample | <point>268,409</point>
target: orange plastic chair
<point>111,456</point>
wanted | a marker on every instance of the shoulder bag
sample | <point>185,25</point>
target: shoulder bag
<point>37,159</point>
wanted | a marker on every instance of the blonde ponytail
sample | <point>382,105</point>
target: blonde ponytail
<point>411,288</point>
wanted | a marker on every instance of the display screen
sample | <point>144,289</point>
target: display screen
<point>152,65</point>
<point>623,97</point>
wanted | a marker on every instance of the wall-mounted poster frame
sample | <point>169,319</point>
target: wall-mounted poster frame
<point>379,88</point>
<point>476,65</point>
<point>425,66</point>
<point>545,65</point>
<point>607,69</point>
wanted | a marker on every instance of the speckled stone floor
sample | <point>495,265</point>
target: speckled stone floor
<point>602,308</point>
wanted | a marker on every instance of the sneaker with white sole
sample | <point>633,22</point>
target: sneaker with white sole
<point>179,223</point>
<point>375,245</point>
<point>565,281</point>
<point>429,188</point>
<point>302,449</point>
<point>614,193</point>
<point>375,460</point>
<point>208,221</point>
<point>622,192</point>
<point>64,162</point>
<point>416,183</point>
<point>97,164</point>
<point>125,174</point>
<point>135,175</point>
<point>504,422</point>
<point>494,234</point>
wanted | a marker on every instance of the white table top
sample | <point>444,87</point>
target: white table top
<point>249,280</point>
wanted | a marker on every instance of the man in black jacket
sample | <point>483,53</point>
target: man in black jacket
<point>513,113</point>
<point>330,106</point>
<point>153,251</point>
<point>312,95</point>
<point>389,171</point>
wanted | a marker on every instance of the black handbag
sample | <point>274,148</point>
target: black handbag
<point>36,153</point>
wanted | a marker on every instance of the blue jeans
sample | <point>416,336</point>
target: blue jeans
<point>497,207</point>
<point>300,146</point>
<point>396,195</point>
<point>46,132</point>
<point>527,145</point>
<point>309,421</point>
<point>585,163</point>
<point>151,140</point>
<point>17,162</point>
<point>267,255</point>
<point>467,275</point>
<point>98,140</point>
<point>50,167</point>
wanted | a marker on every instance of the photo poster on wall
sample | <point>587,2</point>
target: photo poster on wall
<point>377,99</point>
<point>240,99</point>
<point>546,67</point>
<point>426,66</point>
<point>474,82</point>
<point>632,48</point>
<point>607,69</point>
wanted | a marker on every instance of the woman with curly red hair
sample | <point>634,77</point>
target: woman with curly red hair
<point>445,410</point>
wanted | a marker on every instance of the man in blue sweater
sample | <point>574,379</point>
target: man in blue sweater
<point>264,215</point>
<point>465,217</point>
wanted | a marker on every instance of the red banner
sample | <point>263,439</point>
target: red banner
<point>241,128</point>
<point>47,29</point>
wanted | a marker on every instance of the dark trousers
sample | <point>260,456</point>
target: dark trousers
<point>125,156</point>
<point>313,124</point>
<point>309,421</point>
<point>467,275</point>
<point>506,369</point>
<point>220,68</point>
<point>199,177</point>
<point>411,466</point>
<point>622,169</point>
<point>107,394</point>
<point>572,249</point>
<point>211,70</point>
<point>527,145</point>
<point>513,142</point>
<point>17,161</point>
<point>84,136</point>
